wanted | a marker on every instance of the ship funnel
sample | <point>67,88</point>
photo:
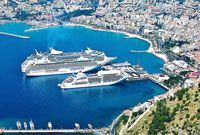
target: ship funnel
<point>38,54</point>
<point>53,51</point>
<point>89,50</point>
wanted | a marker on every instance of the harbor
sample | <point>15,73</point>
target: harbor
<point>41,94</point>
<point>14,35</point>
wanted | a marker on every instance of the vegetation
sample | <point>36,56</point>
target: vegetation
<point>122,121</point>
<point>173,81</point>
<point>183,73</point>
<point>179,114</point>
<point>171,43</point>
<point>76,13</point>
<point>161,116</point>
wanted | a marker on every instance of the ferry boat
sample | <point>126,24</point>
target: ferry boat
<point>101,78</point>
<point>58,62</point>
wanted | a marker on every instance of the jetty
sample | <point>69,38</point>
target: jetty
<point>14,35</point>
<point>66,131</point>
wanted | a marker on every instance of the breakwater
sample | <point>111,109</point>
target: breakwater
<point>67,131</point>
<point>14,35</point>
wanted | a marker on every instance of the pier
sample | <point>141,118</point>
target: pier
<point>14,35</point>
<point>67,131</point>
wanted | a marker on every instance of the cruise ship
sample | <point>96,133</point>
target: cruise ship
<point>101,78</point>
<point>58,62</point>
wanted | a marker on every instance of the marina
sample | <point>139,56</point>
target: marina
<point>14,35</point>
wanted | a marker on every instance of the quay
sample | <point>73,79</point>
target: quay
<point>134,72</point>
<point>14,35</point>
<point>155,80</point>
<point>67,131</point>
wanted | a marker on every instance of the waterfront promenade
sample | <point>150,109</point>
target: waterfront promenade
<point>14,35</point>
<point>67,131</point>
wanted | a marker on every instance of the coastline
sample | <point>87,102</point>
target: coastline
<point>129,35</point>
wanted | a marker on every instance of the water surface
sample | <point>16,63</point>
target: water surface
<point>40,99</point>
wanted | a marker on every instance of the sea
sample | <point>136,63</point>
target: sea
<point>40,99</point>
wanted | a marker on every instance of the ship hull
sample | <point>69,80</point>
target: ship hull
<point>91,85</point>
<point>67,71</point>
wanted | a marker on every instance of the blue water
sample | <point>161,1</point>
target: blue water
<point>39,98</point>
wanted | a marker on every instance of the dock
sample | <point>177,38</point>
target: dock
<point>159,83</point>
<point>135,72</point>
<point>67,131</point>
<point>14,35</point>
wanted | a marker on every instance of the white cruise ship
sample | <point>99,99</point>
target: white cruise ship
<point>101,78</point>
<point>58,62</point>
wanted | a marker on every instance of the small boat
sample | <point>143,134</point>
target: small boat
<point>31,125</point>
<point>19,126</point>
<point>25,125</point>
<point>49,125</point>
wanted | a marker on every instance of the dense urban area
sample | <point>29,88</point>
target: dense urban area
<point>173,28</point>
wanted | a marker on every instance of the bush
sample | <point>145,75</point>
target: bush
<point>175,132</point>
<point>192,118</point>
<point>198,110</point>
<point>184,101</point>
<point>140,112</point>
<point>172,98</point>
<point>198,116</point>
<point>187,96</point>
<point>146,121</point>
<point>180,94</point>
<point>187,116</point>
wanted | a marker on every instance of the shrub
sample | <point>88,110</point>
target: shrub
<point>187,96</point>
<point>198,110</point>
<point>187,116</point>
<point>192,118</point>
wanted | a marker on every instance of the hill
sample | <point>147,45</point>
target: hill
<point>178,115</point>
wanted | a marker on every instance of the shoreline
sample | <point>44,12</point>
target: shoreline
<point>129,35</point>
